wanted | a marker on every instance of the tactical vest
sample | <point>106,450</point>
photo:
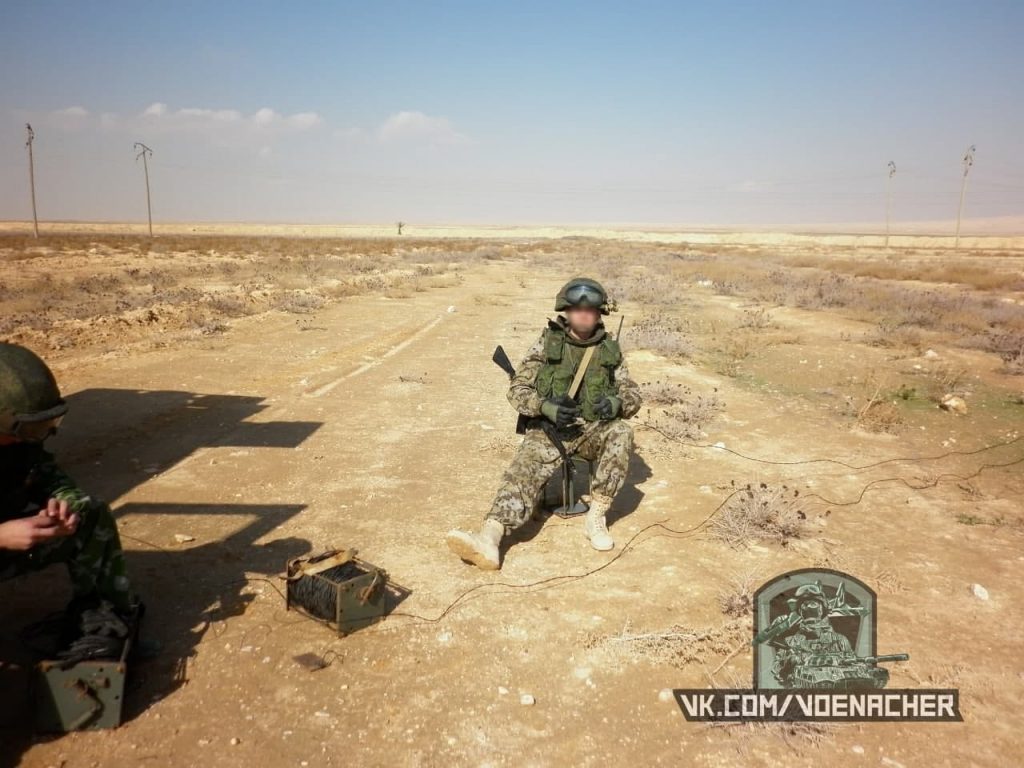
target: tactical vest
<point>556,374</point>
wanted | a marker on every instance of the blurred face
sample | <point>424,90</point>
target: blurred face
<point>583,320</point>
<point>30,431</point>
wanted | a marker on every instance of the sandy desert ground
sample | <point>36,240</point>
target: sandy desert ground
<point>268,395</point>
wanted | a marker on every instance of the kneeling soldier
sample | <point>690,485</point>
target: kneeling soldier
<point>45,518</point>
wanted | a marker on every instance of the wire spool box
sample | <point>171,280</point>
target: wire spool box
<point>85,696</point>
<point>338,589</point>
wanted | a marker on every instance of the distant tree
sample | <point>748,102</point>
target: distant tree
<point>400,225</point>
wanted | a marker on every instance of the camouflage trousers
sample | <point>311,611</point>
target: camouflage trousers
<point>609,443</point>
<point>92,554</point>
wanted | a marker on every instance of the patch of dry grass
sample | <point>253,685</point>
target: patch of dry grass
<point>676,412</point>
<point>760,512</point>
<point>662,334</point>
<point>61,291</point>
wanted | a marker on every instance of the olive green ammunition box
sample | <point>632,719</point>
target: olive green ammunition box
<point>86,696</point>
<point>338,589</point>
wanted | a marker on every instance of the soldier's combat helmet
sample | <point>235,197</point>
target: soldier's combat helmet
<point>30,403</point>
<point>809,593</point>
<point>583,292</point>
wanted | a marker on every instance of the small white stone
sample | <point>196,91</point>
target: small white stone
<point>451,309</point>
<point>665,695</point>
<point>720,446</point>
<point>931,354</point>
<point>502,690</point>
<point>979,591</point>
<point>235,742</point>
<point>857,749</point>
<point>527,700</point>
<point>182,538</point>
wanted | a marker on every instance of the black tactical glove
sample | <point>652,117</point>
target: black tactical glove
<point>608,407</point>
<point>560,411</point>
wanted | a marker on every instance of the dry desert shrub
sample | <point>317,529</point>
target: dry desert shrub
<point>757,319</point>
<point>892,333</point>
<point>760,512</point>
<point>880,416</point>
<point>662,334</point>
<point>732,351</point>
<point>682,415</point>
<point>737,598</point>
<point>676,645</point>
<point>956,271</point>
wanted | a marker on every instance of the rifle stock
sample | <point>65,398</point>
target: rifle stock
<point>500,358</point>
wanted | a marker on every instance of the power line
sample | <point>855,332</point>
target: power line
<point>888,200</point>
<point>32,177</point>
<point>967,162</point>
<point>145,152</point>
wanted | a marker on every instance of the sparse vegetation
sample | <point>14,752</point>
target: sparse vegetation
<point>195,285</point>
<point>737,599</point>
<point>681,414</point>
<point>760,512</point>
<point>660,333</point>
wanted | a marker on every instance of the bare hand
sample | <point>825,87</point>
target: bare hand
<point>28,532</point>
<point>58,510</point>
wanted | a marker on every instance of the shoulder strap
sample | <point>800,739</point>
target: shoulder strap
<point>588,354</point>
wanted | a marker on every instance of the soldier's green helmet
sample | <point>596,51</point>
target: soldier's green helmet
<point>30,403</point>
<point>583,292</point>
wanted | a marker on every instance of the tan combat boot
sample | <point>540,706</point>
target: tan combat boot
<point>594,526</point>
<point>480,549</point>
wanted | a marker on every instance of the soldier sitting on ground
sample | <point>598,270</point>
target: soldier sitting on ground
<point>590,425</point>
<point>45,518</point>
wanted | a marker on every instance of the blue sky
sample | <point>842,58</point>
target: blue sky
<point>721,114</point>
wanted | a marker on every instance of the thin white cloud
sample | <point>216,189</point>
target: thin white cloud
<point>159,115</point>
<point>417,126</point>
<point>75,111</point>
<point>304,120</point>
<point>217,115</point>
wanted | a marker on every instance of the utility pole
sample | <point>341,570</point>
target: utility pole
<point>888,201</point>
<point>32,177</point>
<point>967,162</point>
<point>144,152</point>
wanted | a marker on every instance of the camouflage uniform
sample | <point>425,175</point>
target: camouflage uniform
<point>29,477</point>
<point>609,442</point>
